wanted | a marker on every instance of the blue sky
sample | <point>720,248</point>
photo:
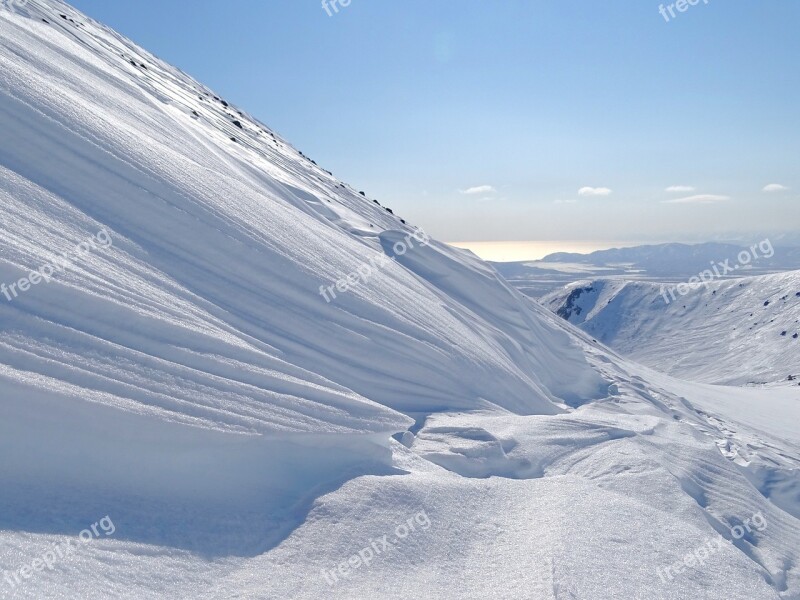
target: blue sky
<point>521,103</point>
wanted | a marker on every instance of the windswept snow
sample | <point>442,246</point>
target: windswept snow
<point>429,432</point>
<point>735,332</point>
<point>207,306</point>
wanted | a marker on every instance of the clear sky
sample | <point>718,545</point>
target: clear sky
<point>482,120</point>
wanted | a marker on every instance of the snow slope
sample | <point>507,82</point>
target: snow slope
<point>733,332</point>
<point>219,249</point>
<point>188,381</point>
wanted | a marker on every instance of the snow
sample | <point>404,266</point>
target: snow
<point>734,332</point>
<point>671,263</point>
<point>218,255</point>
<point>247,438</point>
<point>756,428</point>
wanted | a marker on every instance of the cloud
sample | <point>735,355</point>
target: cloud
<point>594,191</point>
<point>699,199</point>
<point>680,188</point>
<point>775,187</point>
<point>478,189</point>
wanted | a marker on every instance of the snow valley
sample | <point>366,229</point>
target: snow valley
<point>429,432</point>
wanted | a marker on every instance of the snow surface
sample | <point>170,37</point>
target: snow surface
<point>735,332</point>
<point>247,437</point>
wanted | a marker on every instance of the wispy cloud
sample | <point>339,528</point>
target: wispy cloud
<point>681,189</point>
<point>478,189</point>
<point>775,187</point>
<point>698,199</point>
<point>594,191</point>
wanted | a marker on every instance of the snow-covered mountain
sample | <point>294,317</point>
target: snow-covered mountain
<point>732,332</point>
<point>226,374</point>
<point>671,262</point>
<point>685,260</point>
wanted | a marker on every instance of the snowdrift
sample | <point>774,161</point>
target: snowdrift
<point>260,373</point>
<point>163,255</point>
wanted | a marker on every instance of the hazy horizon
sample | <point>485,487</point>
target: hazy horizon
<point>521,250</point>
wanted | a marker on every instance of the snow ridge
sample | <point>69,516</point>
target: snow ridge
<point>733,332</point>
<point>246,436</point>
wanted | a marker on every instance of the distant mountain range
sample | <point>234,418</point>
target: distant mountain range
<point>676,260</point>
<point>660,262</point>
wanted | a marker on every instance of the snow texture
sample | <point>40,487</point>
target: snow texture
<point>734,332</point>
<point>430,432</point>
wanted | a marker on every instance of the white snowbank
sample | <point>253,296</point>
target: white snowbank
<point>190,381</point>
